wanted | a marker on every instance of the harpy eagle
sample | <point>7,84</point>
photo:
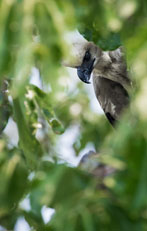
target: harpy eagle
<point>109,73</point>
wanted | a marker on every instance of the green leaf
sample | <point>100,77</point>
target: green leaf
<point>111,42</point>
<point>30,146</point>
<point>57,126</point>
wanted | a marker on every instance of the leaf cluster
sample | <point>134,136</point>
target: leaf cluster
<point>32,37</point>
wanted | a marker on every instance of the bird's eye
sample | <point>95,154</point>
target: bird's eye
<point>87,56</point>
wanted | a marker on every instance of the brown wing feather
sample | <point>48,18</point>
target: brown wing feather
<point>112,97</point>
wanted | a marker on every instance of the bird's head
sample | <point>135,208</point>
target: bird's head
<point>90,57</point>
<point>84,56</point>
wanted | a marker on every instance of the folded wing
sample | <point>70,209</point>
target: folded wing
<point>112,97</point>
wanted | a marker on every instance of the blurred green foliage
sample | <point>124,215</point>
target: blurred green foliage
<point>32,34</point>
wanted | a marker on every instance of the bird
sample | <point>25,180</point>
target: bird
<point>108,70</point>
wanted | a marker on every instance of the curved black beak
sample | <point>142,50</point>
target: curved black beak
<point>84,71</point>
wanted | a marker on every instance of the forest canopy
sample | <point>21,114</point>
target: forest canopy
<point>32,37</point>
